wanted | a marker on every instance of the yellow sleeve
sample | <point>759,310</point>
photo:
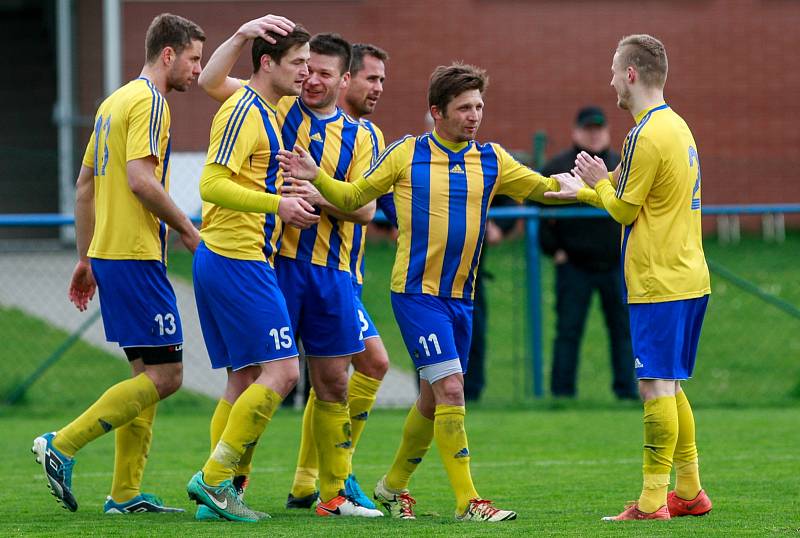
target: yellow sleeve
<point>233,139</point>
<point>217,187</point>
<point>376,181</point>
<point>146,122</point>
<point>520,182</point>
<point>88,155</point>
<point>620,210</point>
<point>636,179</point>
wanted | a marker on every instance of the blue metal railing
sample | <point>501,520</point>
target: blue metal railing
<point>531,214</point>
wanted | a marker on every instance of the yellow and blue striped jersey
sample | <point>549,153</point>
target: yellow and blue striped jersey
<point>359,232</point>
<point>246,139</point>
<point>662,249</point>
<point>131,123</point>
<point>442,192</point>
<point>341,147</point>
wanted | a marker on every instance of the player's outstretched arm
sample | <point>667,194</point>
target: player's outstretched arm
<point>214,79</point>
<point>82,286</point>
<point>307,191</point>
<point>593,171</point>
<point>143,184</point>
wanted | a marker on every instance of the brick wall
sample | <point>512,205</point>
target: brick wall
<point>734,71</point>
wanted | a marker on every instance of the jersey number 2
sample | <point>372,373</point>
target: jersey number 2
<point>694,158</point>
<point>101,130</point>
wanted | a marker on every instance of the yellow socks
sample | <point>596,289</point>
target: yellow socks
<point>307,470</point>
<point>131,448</point>
<point>248,419</point>
<point>361,395</point>
<point>218,421</point>
<point>660,436</point>
<point>116,407</point>
<point>451,438</point>
<point>331,425</point>
<point>687,473</point>
<point>417,437</point>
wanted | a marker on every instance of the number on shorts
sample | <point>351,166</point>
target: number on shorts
<point>364,324</point>
<point>433,340</point>
<point>166,324</point>
<point>283,339</point>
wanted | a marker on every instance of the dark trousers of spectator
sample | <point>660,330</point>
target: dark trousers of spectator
<point>474,379</point>
<point>574,288</point>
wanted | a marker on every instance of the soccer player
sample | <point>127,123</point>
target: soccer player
<point>313,265</point>
<point>655,194</point>
<point>367,74</point>
<point>242,312</point>
<point>122,212</point>
<point>444,182</point>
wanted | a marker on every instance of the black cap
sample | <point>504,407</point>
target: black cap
<point>590,115</point>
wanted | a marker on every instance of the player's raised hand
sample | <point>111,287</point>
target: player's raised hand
<point>569,185</point>
<point>301,188</point>
<point>590,169</point>
<point>298,164</point>
<point>82,286</point>
<point>297,212</point>
<point>190,238</point>
<point>268,23</point>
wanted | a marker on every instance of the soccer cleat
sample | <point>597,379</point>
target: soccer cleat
<point>57,470</point>
<point>342,505</point>
<point>632,513</point>
<point>302,502</point>
<point>699,506</point>
<point>398,505</point>
<point>353,489</point>
<point>484,510</point>
<point>144,502</point>
<point>222,499</point>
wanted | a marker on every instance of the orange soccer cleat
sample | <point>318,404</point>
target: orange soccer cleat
<point>699,506</point>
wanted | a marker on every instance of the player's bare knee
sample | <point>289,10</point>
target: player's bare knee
<point>372,363</point>
<point>166,377</point>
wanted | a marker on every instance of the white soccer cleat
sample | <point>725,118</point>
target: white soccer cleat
<point>484,510</point>
<point>342,505</point>
<point>399,504</point>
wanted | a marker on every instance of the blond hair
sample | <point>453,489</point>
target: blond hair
<point>648,55</point>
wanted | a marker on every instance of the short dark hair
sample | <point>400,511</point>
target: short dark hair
<point>648,55</point>
<point>333,45</point>
<point>449,81</point>
<point>365,49</point>
<point>283,43</point>
<point>168,30</point>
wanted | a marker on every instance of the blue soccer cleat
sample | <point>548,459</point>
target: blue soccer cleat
<point>353,490</point>
<point>57,470</point>
<point>144,502</point>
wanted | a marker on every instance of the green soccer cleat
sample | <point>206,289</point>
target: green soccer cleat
<point>222,500</point>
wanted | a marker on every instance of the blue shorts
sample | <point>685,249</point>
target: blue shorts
<point>242,311</point>
<point>368,328</point>
<point>321,306</point>
<point>137,303</point>
<point>665,337</point>
<point>435,329</point>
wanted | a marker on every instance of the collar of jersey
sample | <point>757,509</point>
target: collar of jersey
<point>639,117</point>
<point>261,98</point>
<point>304,108</point>
<point>450,147</point>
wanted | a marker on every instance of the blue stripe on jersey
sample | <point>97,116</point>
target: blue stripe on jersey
<point>374,135</point>
<point>391,147</point>
<point>385,203</point>
<point>628,230</point>
<point>420,213</point>
<point>159,118</point>
<point>162,226</point>
<point>238,122</point>
<point>456,222</point>
<point>489,168</point>
<point>628,159</point>
<point>152,109</point>
<point>291,123</point>
<point>230,126</point>
<point>355,248</point>
<point>270,180</point>
<point>349,132</point>
<point>307,239</point>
